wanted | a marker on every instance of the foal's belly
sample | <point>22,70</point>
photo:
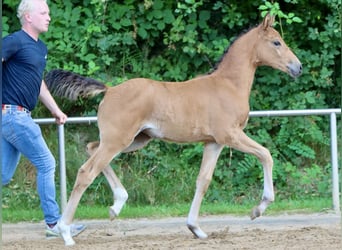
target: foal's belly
<point>178,133</point>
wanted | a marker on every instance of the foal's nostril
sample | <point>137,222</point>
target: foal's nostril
<point>300,68</point>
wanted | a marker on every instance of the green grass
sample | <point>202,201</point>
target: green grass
<point>10,215</point>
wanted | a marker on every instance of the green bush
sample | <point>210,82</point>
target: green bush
<point>175,41</point>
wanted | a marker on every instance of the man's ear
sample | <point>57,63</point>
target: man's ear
<point>27,17</point>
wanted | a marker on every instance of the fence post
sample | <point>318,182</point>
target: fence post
<point>334,163</point>
<point>61,151</point>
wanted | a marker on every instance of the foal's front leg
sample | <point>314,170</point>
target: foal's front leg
<point>247,145</point>
<point>120,194</point>
<point>209,159</point>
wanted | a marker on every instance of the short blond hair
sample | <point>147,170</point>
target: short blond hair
<point>25,6</point>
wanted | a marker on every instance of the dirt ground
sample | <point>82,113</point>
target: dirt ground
<point>313,231</point>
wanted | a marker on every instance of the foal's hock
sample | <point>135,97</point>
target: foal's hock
<point>212,109</point>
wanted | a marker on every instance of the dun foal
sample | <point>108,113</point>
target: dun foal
<point>212,109</point>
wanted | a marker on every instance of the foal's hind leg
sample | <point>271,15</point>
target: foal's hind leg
<point>245,144</point>
<point>120,194</point>
<point>85,176</point>
<point>210,156</point>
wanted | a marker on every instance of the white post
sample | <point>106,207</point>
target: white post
<point>334,162</point>
<point>61,150</point>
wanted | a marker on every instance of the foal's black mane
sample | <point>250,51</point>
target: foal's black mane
<point>227,49</point>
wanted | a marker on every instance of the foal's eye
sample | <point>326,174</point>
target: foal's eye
<point>276,43</point>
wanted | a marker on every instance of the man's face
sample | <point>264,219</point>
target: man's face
<point>39,17</point>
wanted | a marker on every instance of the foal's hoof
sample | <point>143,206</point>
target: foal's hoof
<point>197,231</point>
<point>112,214</point>
<point>255,213</point>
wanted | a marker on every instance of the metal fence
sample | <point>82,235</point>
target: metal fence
<point>272,113</point>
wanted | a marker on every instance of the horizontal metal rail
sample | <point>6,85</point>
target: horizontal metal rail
<point>270,113</point>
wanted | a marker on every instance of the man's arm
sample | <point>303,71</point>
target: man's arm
<point>47,99</point>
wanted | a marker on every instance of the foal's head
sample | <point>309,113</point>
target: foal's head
<point>273,51</point>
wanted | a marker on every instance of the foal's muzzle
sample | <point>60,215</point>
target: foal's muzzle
<point>294,69</point>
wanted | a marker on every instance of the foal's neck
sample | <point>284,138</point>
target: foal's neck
<point>238,66</point>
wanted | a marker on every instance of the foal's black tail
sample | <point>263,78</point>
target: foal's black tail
<point>69,85</point>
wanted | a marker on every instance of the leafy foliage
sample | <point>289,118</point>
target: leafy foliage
<point>176,40</point>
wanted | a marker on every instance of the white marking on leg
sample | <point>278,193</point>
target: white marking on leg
<point>65,231</point>
<point>120,198</point>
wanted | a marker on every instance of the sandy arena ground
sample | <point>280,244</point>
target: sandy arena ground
<point>313,231</point>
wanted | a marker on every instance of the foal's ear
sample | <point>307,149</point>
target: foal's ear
<point>268,21</point>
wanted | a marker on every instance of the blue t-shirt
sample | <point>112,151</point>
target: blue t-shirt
<point>22,69</point>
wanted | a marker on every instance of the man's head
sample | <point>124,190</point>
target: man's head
<point>34,15</point>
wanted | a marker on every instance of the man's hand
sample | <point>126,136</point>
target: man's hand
<point>61,118</point>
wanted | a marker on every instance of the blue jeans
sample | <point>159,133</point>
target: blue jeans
<point>21,135</point>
